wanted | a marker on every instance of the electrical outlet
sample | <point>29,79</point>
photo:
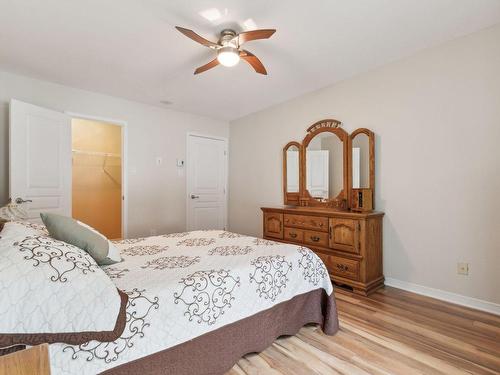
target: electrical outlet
<point>152,232</point>
<point>463,268</point>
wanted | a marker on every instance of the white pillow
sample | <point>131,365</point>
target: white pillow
<point>13,228</point>
<point>113,252</point>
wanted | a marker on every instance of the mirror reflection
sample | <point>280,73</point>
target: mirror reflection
<point>325,166</point>
<point>361,162</point>
<point>292,169</point>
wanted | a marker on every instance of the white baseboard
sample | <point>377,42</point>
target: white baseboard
<point>493,308</point>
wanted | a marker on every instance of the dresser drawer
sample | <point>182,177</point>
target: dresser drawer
<point>307,222</point>
<point>343,267</point>
<point>294,234</point>
<point>316,238</point>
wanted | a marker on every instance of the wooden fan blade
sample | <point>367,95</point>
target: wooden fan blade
<point>255,34</point>
<point>197,38</point>
<point>254,61</point>
<point>207,66</point>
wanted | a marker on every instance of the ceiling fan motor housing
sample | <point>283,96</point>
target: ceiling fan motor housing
<point>228,38</point>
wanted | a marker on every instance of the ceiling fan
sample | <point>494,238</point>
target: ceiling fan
<point>228,48</point>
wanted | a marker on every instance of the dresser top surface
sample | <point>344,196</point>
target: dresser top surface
<point>320,211</point>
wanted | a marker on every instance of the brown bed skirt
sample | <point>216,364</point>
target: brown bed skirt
<point>216,352</point>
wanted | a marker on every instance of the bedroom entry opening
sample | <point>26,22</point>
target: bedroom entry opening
<point>97,175</point>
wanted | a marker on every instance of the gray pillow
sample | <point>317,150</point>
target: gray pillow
<point>69,230</point>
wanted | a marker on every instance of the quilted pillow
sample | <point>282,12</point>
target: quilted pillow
<point>51,291</point>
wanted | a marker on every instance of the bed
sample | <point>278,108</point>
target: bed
<point>198,301</point>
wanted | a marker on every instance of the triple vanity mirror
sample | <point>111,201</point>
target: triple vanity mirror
<point>330,168</point>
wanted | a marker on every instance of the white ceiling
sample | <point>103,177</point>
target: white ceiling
<point>130,49</point>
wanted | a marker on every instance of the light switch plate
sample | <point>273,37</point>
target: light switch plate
<point>159,160</point>
<point>463,268</point>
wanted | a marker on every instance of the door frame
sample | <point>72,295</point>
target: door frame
<point>226,167</point>
<point>124,126</point>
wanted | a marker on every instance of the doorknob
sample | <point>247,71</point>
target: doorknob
<point>194,196</point>
<point>21,200</point>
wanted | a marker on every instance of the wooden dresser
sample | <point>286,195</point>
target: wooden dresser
<point>349,243</point>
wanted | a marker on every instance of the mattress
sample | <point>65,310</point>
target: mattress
<point>198,301</point>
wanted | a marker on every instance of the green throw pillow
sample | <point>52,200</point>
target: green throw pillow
<point>71,231</point>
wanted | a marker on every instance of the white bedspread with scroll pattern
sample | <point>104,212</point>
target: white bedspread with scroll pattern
<point>46,286</point>
<point>183,285</point>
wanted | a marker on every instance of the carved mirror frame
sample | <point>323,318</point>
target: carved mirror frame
<point>341,200</point>
<point>292,198</point>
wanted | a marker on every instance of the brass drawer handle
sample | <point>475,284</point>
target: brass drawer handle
<point>293,235</point>
<point>342,267</point>
<point>315,238</point>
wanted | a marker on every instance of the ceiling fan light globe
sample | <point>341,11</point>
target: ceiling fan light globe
<point>228,56</point>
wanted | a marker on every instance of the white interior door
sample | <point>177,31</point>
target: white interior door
<point>206,182</point>
<point>40,159</point>
<point>317,176</point>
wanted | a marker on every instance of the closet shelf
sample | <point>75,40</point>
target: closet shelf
<point>103,164</point>
<point>96,153</point>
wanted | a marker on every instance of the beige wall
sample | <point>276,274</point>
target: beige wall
<point>156,193</point>
<point>436,117</point>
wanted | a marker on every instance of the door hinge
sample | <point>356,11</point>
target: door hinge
<point>225,152</point>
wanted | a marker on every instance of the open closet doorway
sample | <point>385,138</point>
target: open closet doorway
<point>97,175</point>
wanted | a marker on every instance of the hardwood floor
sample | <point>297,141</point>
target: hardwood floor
<point>390,332</point>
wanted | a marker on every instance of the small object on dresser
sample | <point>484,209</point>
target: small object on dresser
<point>362,200</point>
